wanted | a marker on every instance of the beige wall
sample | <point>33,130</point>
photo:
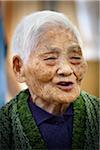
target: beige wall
<point>13,11</point>
<point>91,80</point>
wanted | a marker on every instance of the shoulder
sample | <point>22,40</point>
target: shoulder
<point>92,109</point>
<point>91,103</point>
<point>5,126</point>
<point>92,119</point>
<point>8,117</point>
<point>89,98</point>
<point>6,109</point>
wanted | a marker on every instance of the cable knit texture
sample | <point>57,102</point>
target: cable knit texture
<point>18,130</point>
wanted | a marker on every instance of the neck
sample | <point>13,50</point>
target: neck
<point>53,107</point>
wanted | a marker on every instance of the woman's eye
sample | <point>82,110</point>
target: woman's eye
<point>75,60</point>
<point>50,61</point>
<point>50,58</point>
<point>76,57</point>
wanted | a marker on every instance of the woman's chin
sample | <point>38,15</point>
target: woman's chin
<point>68,97</point>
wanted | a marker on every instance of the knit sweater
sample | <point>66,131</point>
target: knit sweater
<point>18,130</point>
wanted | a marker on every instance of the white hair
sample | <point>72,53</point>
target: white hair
<point>28,30</point>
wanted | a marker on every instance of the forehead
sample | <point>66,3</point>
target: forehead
<point>57,36</point>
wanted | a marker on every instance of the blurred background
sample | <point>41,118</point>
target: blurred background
<point>84,14</point>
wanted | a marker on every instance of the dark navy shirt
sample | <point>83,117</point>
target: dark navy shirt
<point>55,130</point>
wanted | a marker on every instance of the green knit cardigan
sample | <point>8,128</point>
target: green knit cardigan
<point>18,130</point>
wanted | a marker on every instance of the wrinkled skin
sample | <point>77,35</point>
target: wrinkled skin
<point>57,57</point>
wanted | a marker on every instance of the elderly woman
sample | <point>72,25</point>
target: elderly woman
<point>53,113</point>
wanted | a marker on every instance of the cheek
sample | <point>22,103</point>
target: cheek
<point>80,70</point>
<point>43,73</point>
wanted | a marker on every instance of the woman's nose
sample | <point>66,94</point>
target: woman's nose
<point>64,69</point>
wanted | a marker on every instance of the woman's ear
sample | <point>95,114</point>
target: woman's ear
<point>18,68</point>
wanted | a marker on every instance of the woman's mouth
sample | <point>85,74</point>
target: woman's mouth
<point>65,86</point>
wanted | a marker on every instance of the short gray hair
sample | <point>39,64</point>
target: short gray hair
<point>27,32</point>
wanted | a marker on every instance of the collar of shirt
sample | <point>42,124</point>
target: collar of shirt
<point>41,115</point>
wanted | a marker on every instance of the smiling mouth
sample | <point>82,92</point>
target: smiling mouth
<point>65,86</point>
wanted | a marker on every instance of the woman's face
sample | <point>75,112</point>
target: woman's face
<point>56,67</point>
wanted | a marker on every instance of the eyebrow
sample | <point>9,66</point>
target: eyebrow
<point>55,49</point>
<point>74,48</point>
<point>70,48</point>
